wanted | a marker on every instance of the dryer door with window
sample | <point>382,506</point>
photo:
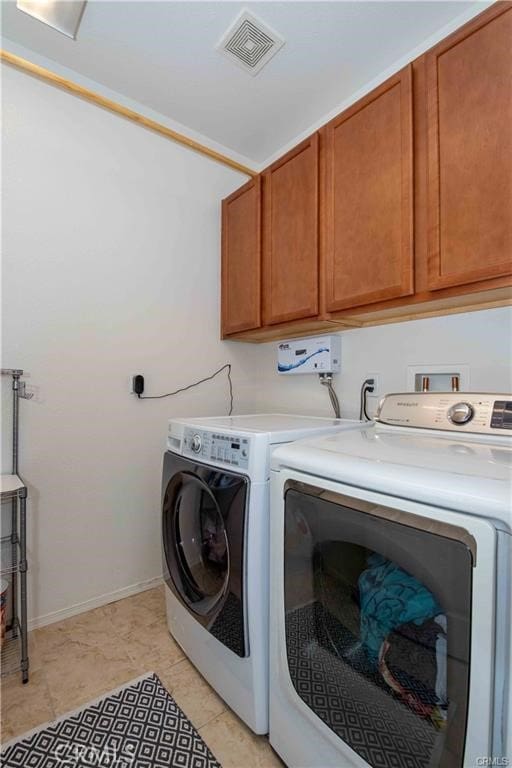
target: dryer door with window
<point>203,521</point>
<point>377,621</point>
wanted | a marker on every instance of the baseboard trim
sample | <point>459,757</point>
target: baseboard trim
<point>94,602</point>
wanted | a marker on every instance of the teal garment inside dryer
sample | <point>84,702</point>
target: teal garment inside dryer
<point>390,597</point>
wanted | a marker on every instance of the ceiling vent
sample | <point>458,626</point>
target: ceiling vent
<point>250,43</point>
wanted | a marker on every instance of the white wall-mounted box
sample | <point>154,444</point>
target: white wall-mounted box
<point>318,354</point>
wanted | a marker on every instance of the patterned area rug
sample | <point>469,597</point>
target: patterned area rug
<point>137,726</point>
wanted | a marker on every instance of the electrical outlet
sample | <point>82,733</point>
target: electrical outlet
<point>376,383</point>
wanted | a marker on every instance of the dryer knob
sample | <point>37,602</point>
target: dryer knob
<point>196,443</point>
<point>460,413</point>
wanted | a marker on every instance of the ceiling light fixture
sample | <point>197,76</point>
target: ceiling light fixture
<point>62,15</point>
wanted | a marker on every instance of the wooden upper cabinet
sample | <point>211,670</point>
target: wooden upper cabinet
<point>402,201</point>
<point>290,235</point>
<point>241,259</point>
<point>367,198</point>
<point>469,87</point>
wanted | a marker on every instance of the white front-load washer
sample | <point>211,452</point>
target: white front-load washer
<point>390,611</point>
<point>215,532</point>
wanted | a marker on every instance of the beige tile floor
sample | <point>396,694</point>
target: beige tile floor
<point>88,655</point>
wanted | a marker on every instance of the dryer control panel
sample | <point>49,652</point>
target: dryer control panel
<point>220,448</point>
<point>476,412</point>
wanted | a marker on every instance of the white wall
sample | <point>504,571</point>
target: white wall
<point>480,341</point>
<point>110,267</point>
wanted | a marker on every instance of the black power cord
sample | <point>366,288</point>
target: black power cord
<point>195,384</point>
<point>367,386</point>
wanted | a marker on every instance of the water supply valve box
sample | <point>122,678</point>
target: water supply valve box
<point>318,354</point>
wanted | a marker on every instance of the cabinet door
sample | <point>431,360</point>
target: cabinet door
<point>367,198</point>
<point>290,239</point>
<point>241,259</point>
<point>469,84</point>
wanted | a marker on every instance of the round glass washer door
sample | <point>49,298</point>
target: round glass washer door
<point>195,542</point>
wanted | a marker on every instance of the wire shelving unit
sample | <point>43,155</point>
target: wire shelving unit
<point>13,549</point>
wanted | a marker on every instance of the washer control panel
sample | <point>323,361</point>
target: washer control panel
<point>476,412</point>
<point>221,448</point>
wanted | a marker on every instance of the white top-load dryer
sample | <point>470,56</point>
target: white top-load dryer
<point>215,531</point>
<point>390,614</point>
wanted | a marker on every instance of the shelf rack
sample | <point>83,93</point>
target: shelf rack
<point>13,548</point>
